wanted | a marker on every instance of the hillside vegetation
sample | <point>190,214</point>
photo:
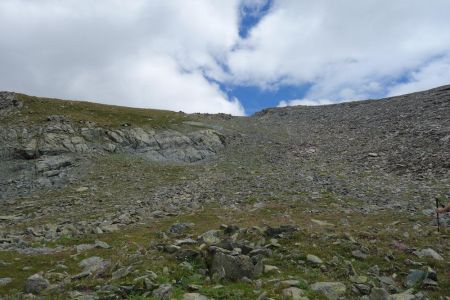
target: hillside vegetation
<point>329,202</point>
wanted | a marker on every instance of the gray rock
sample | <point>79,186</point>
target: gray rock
<point>84,247</point>
<point>171,248</point>
<point>187,241</point>
<point>293,293</point>
<point>35,284</point>
<point>429,283</point>
<point>145,282</point>
<point>194,296</point>
<point>4,263</point>
<point>363,289</point>
<point>5,281</point>
<point>9,218</point>
<point>359,254</point>
<point>414,278</point>
<point>270,269</point>
<point>94,265</point>
<point>57,118</point>
<point>187,254</point>
<point>180,227</point>
<point>210,237</point>
<point>63,137</point>
<point>428,253</point>
<point>379,294</point>
<point>82,295</point>
<point>8,103</point>
<point>290,283</point>
<point>350,270</point>
<point>164,292</point>
<point>275,231</point>
<point>109,227</point>
<point>314,259</point>
<point>331,290</point>
<point>321,223</point>
<point>374,270</point>
<point>358,279</point>
<point>102,245</point>
<point>406,295</point>
<point>234,267</point>
<point>186,265</point>
<point>122,272</point>
<point>387,280</point>
<point>44,250</point>
<point>431,274</point>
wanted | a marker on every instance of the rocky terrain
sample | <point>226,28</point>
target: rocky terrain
<point>329,202</point>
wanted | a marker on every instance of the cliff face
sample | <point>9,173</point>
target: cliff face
<point>63,137</point>
<point>48,147</point>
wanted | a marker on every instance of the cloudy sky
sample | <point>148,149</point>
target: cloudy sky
<point>231,56</point>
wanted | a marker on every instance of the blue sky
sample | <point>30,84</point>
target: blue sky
<point>252,97</point>
<point>229,56</point>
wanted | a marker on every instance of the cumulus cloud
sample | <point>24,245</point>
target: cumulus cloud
<point>136,53</point>
<point>181,55</point>
<point>343,49</point>
<point>431,74</point>
<point>306,102</point>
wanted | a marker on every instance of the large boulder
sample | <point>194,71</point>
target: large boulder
<point>35,284</point>
<point>225,265</point>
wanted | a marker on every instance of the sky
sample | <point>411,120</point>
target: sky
<point>230,56</point>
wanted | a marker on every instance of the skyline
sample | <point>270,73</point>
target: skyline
<point>233,57</point>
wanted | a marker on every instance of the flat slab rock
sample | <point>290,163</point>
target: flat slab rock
<point>194,296</point>
<point>428,253</point>
<point>331,290</point>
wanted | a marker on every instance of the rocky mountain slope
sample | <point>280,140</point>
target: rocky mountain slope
<point>333,201</point>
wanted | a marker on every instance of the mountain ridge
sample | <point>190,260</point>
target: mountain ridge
<point>357,176</point>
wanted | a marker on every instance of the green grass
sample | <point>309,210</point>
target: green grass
<point>376,232</point>
<point>37,109</point>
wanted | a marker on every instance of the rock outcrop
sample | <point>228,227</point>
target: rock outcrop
<point>8,103</point>
<point>61,137</point>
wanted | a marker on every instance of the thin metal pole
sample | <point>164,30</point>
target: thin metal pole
<point>437,214</point>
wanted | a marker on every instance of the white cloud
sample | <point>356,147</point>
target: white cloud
<point>136,53</point>
<point>306,102</point>
<point>157,83</point>
<point>344,49</point>
<point>163,54</point>
<point>433,74</point>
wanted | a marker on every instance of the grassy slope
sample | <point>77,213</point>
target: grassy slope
<point>36,110</point>
<point>131,178</point>
<point>375,232</point>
